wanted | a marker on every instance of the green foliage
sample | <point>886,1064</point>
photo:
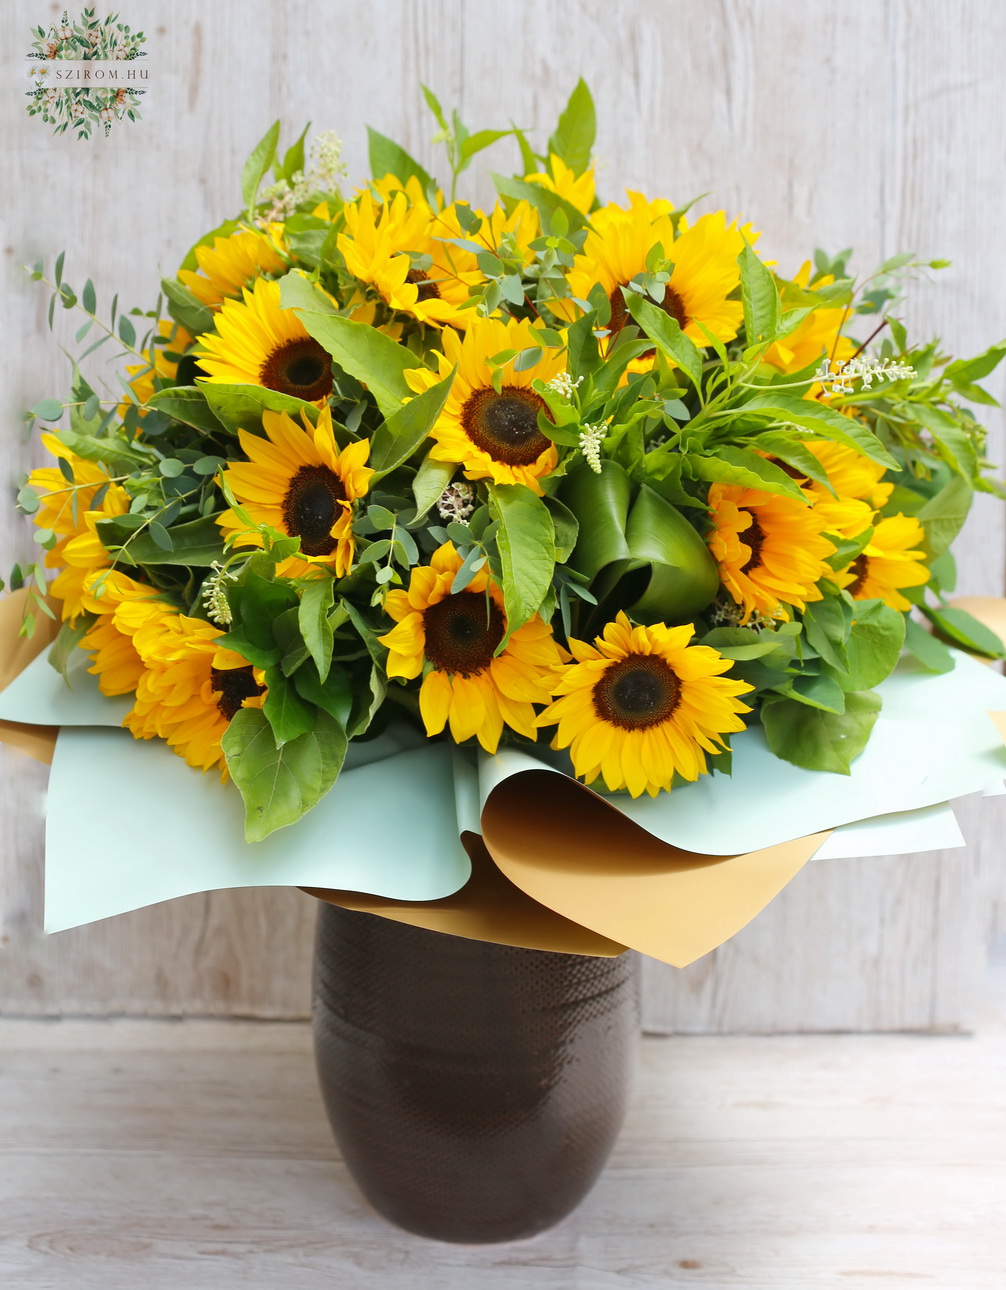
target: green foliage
<point>573,140</point>
<point>526,542</point>
<point>281,782</point>
<point>817,739</point>
<point>256,167</point>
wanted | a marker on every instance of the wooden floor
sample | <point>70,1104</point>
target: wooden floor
<point>195,1156</point>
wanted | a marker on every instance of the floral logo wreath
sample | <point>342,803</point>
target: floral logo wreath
<point>83,107</point>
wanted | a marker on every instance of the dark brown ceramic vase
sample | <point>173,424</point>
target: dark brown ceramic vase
<point>475,1090</point>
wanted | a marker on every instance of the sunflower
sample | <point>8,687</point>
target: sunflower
<point>493,434</point>
<point>892,559</point>
<point>818,336</point>
<point>704,277</point>
<point>641,704</point>
<point>771,550</point>
<point>231,263</point>
<point>453,639</point>
<point>578,190</point>
<point>297,481</point>
<point>381,240</point>
<point>258,342</point>
<point>116,662</point>
<point>69,511</point>
<point>859,490</point>
<point>158,364</point>
<point>191,686</point>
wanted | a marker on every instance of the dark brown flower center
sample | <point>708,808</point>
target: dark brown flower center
<point>299,367</point>
<point>462,632</point>
<point>311,507</point>
<point>753,537</point>
<point>505,425</point>
<point>427,290</point>
<point>672,305</point>
<point>639,691</point>
<point>860,569</point>
<point>235,684</point>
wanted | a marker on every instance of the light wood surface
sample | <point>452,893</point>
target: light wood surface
<point>867,123</point>
<point>196,1154</point>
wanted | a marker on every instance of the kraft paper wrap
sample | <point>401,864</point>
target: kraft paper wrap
<point>557,867</point>
<point>16,652</point>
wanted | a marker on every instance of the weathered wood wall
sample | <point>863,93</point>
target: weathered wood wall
<point>872,123</point>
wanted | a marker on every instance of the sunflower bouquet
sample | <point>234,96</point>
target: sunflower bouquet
<point>593,475</point>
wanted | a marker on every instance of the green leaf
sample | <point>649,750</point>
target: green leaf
<point>760,298</point>
<point>186,403</point>
<point>113,452</point>
<point>334,695</point>
<point>966,370</point>
<point>285,710</point>
<point>389,158</point>
<point>87,297</point>
<point>826,627</point>
<point>875,644</point>
<point>793,453</point>
<point>745,468</point>
<point>566,528</point>
<point>819,740</point>
<point>545,202</point>
<point>952,441</point>
<point>961,629</point>
<point>281,784</point>
<point>574,136</point>
<point>526,544</point>
<point>405,430</point>
<point>359,349</point>
<point>943,516</point>
<point>433,103</point>
<point>791,410</point>
<point>431,479</point>
<point>930,652</point>
<point>294,158</point>
<point>186,309</point>
<point>240,407</point>
<point>477,141</point>
<point>817,691</point>
<point>262,157</point>
<point>679,577</point>
<point>316,603</point>
<point>48,409</point>
<point>196,544</point>
<point>667,335</point>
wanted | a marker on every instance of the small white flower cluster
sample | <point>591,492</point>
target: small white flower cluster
<point>456,503</point>
<point>322,175</point>
<point>215,597</point>
<point>863,369</point>
<point>591,437</point>
<point>563,385</point>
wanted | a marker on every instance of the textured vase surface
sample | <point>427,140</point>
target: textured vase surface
<point>475,1090</point>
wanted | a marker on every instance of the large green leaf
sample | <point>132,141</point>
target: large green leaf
<point>943,516</point>
<point>359,349</point>
<point>543,199</point>
<point>118,454</point>
<point>788,409</point>
<point>666,333</point>
<point>390,158</point>
<point>186,403</point>
<point>875,644</point>
<point>316,603</point>
<point>674,575</point>
<point>962,629</point>
<point>431,479</point>
<point>526,543</point>
<point>185,308</point>
<point>197,544</point>
<point>819,740</point>
<point>573,139</point>
<point>745,468</point>
<point>280,784</point>
<point>760,298</point>
<point>240,407</point>
<point>405,430</point>
<point>262,157</point>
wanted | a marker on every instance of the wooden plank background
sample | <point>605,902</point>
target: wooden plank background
<point>870,123</point>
